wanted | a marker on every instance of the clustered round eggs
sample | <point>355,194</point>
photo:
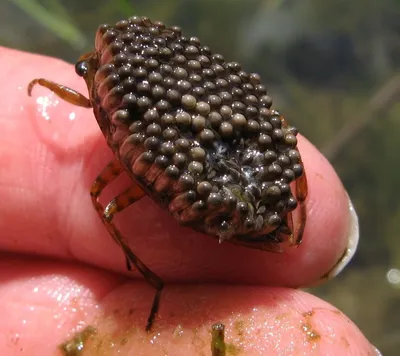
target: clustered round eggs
<point>196,131</point>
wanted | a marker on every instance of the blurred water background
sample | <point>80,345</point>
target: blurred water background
<point>332,67</point>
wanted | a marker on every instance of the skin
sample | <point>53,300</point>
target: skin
<point>60,271</point>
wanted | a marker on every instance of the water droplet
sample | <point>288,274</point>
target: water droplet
<point>55,121</point>
<point>72,115</point>
<point>393,277</point>
<point>43,105</point>
<point>178,331</point>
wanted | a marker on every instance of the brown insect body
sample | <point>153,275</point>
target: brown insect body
<point>195,133</point>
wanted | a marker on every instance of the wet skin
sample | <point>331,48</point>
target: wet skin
<point>60,270</point>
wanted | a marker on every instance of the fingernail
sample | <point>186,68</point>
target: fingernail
<point>377,352</point>
<point>348,253</point>
<point>352,243</point>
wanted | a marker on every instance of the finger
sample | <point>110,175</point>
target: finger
<point>49,162</point>
<point>44,305</point>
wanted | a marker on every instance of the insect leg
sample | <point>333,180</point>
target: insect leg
<point>301,195</point>
<point>65,93</point>
<point>106,176</point>
<point>218,346</point>
<point>120,202</point>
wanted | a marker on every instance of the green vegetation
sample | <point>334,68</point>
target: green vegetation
<point>332,68</point>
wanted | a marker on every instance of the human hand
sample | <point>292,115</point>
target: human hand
<point>61,271</point>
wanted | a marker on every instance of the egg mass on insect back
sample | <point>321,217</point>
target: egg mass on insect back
<point>197,132</point>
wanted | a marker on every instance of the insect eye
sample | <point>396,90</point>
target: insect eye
<point>81,68</point>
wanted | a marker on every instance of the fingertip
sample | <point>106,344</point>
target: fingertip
<point>257,321</point>
<point>331,233</point>
<point>350,249</point>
